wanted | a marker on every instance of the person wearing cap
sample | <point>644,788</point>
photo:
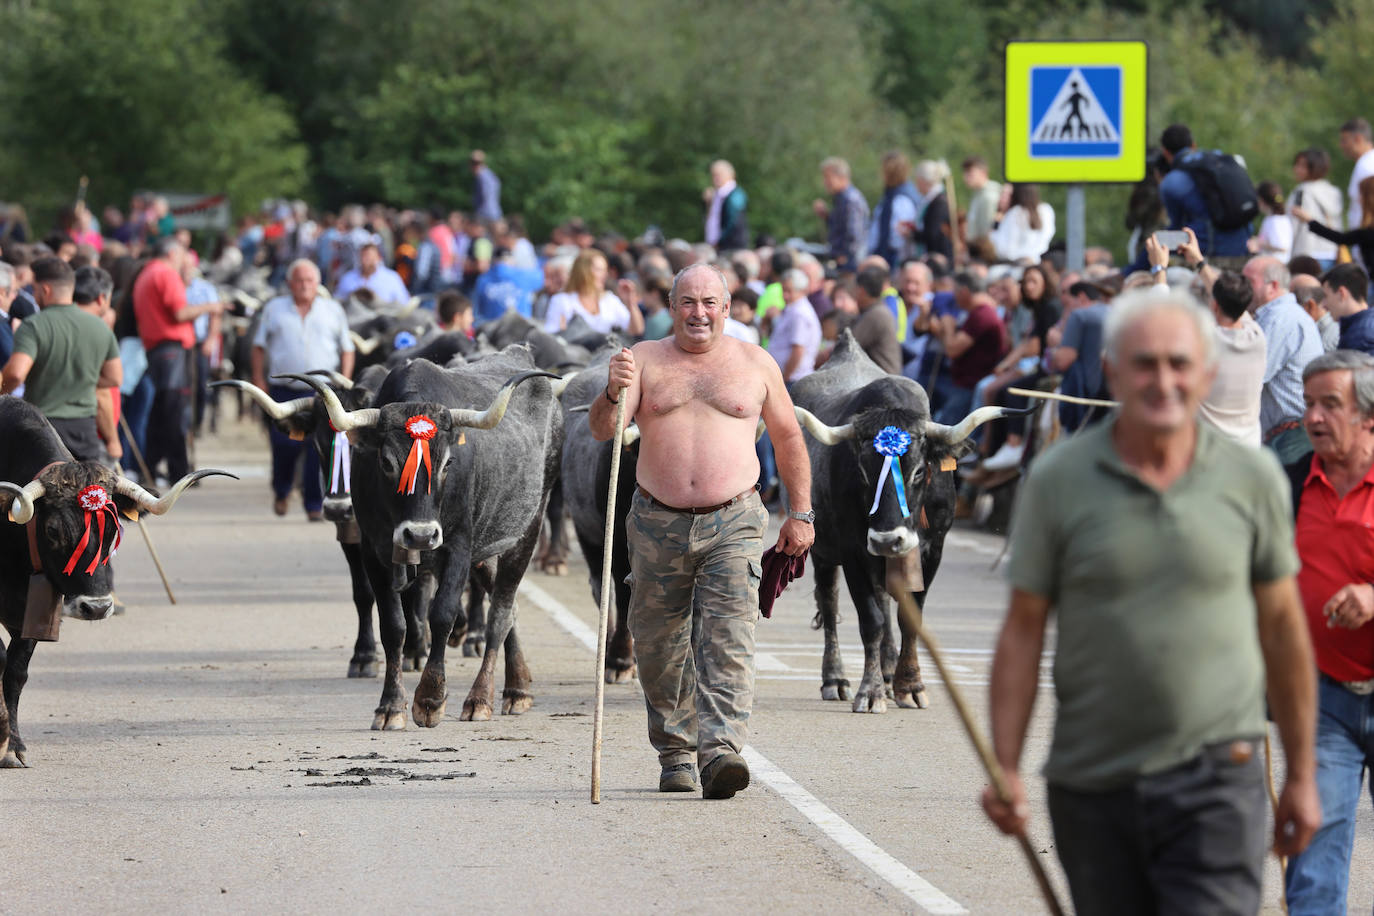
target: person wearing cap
<point>486,188</point>
<point>371,274</point>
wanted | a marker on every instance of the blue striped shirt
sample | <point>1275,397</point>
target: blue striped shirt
<point>1291,342</point>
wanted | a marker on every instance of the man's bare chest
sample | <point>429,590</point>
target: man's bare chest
<point>727,390</point>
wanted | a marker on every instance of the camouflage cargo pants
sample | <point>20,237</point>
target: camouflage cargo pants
<point>693,607</point>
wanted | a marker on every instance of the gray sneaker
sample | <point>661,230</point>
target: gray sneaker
<point>680,777</point>
<point>724,776</point>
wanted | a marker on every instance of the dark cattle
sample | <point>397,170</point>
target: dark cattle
<point>65,529</point>
<point>844,407</point>
<point>380,335</point>
<point>457,463</point>
<point>550,351</point>
<point>586,479</point>
<point>306,416</point>
<point>439,349</point>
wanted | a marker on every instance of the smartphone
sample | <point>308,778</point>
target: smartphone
<point>1297,201</point>
<point>1171,239</point>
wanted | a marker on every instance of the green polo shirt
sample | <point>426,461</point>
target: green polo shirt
<point>68,348</point>
<point>1158,649</point>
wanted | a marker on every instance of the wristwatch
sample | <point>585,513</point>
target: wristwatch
<point>809,516</point>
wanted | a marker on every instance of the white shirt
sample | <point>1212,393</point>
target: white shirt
<point>713,214</point>
<point>1364,167</point>
<point>1276,236</point>
<point>1322,200</point>
<point>1233,404</point>
<point>1014,238</point>
<point>296,345</point>
<point>563,307</point>
<point>741,331</point>
<point>385,284</point>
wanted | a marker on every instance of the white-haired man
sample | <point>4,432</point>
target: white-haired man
<point>298,333</point>
<point>796,335</point>
<point>1291,342</point>
<point>1165,551</point>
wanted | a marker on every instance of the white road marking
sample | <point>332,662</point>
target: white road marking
<point>968,543</point>
<point>766,661</point>
<point>915,888</point>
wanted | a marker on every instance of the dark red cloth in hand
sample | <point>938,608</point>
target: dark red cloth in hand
<point>778,570</point>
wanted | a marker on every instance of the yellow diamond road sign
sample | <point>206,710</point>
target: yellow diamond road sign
<point>1075,111</point>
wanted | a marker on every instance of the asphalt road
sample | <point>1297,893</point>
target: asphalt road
<point>212,757</point>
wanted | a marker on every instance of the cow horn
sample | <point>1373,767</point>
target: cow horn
<point>953,435</point>
<point>486,419</point>
<point>363,344</point>
<point>560,385</point>
<point>340,418</point>
<point>338,380</point>
<point>277,410</point>
<point>760,430</point>
<point>826,435</point>
<point>159,505</point>
<point>21,507</point>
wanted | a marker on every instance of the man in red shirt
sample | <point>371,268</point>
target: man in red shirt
<point>974,347</point>
<point>165,326</point>
<point>1335,537</point>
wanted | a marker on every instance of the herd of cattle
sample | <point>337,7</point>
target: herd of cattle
<point>450,462</point>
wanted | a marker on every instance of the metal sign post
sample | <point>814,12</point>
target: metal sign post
<point>1075,230</point>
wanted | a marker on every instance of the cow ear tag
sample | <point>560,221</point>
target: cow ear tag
<point>297,435</point>
<point>462,438</point>
<point>948,463</point>
<point>130,514</point>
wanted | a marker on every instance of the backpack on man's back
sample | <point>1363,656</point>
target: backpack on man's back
<point>1225,187</point>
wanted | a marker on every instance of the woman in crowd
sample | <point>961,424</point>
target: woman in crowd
<point>1362,238</point>
<point>1025,224</point>
<point>586,297</point>
<point>1038,297</point>
<point>1319,197</point>
<point>1275,236</point>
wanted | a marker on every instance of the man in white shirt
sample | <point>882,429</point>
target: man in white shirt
<point>298,333</point>
<point>1357,143</point>
<point>371,274</point>
<point>796,335</point>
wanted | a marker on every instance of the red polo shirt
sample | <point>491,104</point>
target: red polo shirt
<point>1336,543</point>
<point>159,294</point>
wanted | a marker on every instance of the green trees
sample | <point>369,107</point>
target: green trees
<point>612,109</point>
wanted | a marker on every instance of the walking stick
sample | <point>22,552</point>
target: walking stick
<point>1274,801</point>
<point>607,589</point>
<point>980,744</point>
<point>148,478</point>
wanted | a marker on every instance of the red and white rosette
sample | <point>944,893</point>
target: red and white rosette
<point>421,429</point>
<point>95,503</point>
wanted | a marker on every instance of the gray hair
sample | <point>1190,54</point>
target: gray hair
<point>298,264</point>
<point>836,165</point>
<point>6,277</point>
<point>724,286</point>
<point>796,279</point>
<point>932,171</point>
<point>1129,308</point>
<point>746,264</point>
<point>1361,368</point>
<point>561,262</point>
<point>1272,270</point>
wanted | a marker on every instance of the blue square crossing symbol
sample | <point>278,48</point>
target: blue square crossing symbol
<point>1075,112</point>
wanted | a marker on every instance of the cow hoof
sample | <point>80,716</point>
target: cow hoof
<point>473,648</point>
<point>870,701</point>
<point>835,690</point>
<point>425,714</point>
<point>515,702</point>
<point>455,639</point>
<point>922,698</point>
<point>13,761</point>
<point>362,668</point>
<point>476,711</point>
<point>905,701</point>
<point>393,721</point>
<point>414,662</point>
<point>620,675</point>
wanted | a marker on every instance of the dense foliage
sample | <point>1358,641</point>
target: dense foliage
<point>612,109</point>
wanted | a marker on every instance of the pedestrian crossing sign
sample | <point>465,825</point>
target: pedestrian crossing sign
<point>1075,111</point>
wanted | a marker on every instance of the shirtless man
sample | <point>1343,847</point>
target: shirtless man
<point>696,525</point>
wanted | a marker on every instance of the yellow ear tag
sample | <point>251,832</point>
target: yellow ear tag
<point>948,463</point>
<point>462,438</point>
<point>297,435</point>
<point>130,514</point>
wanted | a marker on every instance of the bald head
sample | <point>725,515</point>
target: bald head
<point>693,269</point>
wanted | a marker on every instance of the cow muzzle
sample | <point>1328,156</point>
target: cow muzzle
<point>418,536</point>
<point>84,607</point>
<point>895,543</point>
<point>338,509</point>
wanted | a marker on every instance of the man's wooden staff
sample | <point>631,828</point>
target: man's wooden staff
<point>1066,398</point>
<point>143,529</point>
<point>980,744</point>
<point>607,590</point>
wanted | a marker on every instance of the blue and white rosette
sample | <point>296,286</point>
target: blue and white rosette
<point>404,340</point>
<point>891,442</point>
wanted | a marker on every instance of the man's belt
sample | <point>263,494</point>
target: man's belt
<point>1359,688</point>
<point>1281,429</point>
<point>694,510</point>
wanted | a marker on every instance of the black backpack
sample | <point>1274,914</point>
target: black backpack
<point>1225,187</point>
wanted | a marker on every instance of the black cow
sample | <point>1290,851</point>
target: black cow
<point>65,528</point>
<point>306,416</point>
<point>844,406</point>
<point>550,351</point>
<point>586,479</point>
<point>435,473</point>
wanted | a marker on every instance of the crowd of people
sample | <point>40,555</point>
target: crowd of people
<point>109,326</point>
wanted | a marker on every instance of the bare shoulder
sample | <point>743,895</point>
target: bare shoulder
<point>756,358</point>
<point>648,352</point>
